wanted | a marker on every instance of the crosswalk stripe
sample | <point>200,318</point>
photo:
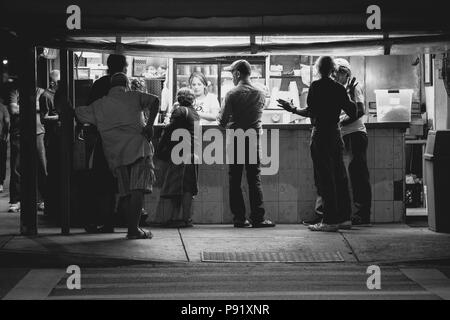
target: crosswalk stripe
<point>36,285</point>
<point>430,279</point>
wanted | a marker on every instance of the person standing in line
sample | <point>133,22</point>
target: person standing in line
<point>355,139</point>
<point>354,134</point>
<point>126,144</point>
<point>41,154</point>
<point>4,127</point>
<point>101,187</point>
<point>47,126</point>
<point>243,109</point>
<point>137,85</point>
<point>4,135</point>
<point>326,98</point>
<point>14,142</point>
<point>181,180</point>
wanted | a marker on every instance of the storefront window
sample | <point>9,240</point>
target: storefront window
<point>210,68</point>
<point>184,71</point>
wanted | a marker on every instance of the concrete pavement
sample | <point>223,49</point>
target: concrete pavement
<point>379,243</point>
<point>230,282</point>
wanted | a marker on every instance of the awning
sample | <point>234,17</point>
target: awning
<point>47,18</point>
<point>308,27</point>
<point>291,45</point>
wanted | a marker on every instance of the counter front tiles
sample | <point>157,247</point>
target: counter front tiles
<point>290,194</point>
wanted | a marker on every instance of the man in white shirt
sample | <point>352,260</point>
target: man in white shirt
<point>354,134</point>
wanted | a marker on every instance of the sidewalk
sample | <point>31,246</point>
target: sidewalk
<point>377,244</point>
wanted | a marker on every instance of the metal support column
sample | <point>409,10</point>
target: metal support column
<point>66,102</point>
<point>28,150</point>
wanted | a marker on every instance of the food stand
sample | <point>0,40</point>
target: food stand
<point>262,31</point>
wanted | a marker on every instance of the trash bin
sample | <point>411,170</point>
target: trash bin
<point>437,180</point>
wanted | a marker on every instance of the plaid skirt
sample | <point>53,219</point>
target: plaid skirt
<point>180,179</point>
<point>139,175</point>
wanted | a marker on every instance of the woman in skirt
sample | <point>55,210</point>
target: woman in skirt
<point>181,179</point>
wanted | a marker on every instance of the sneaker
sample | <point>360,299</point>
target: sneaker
<point>325,227</point>
<point>346,225</point>
<point>1,188</point>
<point>317,219</point>
<point>357,220</point>
<point>263,224</point>
<point>242,224</point>
<point>14,207</point>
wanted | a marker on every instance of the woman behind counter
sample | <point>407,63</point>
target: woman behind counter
<point>206,103</point>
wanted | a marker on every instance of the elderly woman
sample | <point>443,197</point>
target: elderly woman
<point>118,117</point>
<point>180,182</point>
<point>326,98</point>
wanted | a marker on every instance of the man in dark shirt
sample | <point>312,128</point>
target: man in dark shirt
<point>242,110</point>
<point>102,186</point>
<point>326,99</point>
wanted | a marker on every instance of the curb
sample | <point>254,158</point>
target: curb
<point>32,259</point>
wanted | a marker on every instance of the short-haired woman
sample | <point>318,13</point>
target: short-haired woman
<point>180,181</point>
<point>326,99</point>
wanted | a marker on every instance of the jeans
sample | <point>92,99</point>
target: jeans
<point>331,177</point>
<point>52,152</point>
<point>356,148</point>
<point>14,183</point>
<point>253,173</point>
<point>42,168</point>
<point>3,156</point>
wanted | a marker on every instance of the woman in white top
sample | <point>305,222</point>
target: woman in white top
<point>206,103</point>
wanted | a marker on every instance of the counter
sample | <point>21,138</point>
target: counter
<point>290,194</point>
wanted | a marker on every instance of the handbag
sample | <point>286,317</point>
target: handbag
<point>164,149</point>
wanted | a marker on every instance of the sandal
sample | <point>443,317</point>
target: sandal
<point>144,234</point>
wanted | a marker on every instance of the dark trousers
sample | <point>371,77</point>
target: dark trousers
<point>356,146</point>
<point>52,151</point>
<point>331,177</point>
<point>14,182</point>
<point>42,168</point>
<point>101,187</point>
<point>3,156</point>
<point>253,173</point>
